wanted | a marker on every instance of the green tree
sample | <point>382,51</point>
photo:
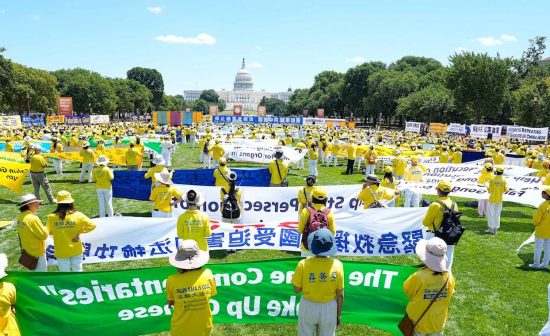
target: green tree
<point>532,102</point>
<point>221,105</point>
<point>274,106</point>
<point>6,80</point>
<point>326,93</point>
<point>209,96</point>
<point>431,104</point>
<point>33,90</point>
<point>152,79</point>
<point>297,102</point>
<point>132,96</point>
<point>172,103</point>
<point>355,86</point>
<point>200,105</point>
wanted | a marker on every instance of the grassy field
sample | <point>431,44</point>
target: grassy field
<point>496,293</point>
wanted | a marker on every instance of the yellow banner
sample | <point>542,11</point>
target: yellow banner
<point>116,156</point>
<point>55,119</point>
<point>11,157</point>
<point>12,175</point>
<point>438,128</point>
<point>10,121</point>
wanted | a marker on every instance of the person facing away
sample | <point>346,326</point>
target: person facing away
<point>541,222</point>
<point>8,294</point>
<point>497,187</point>
<point>320,280</point>
<point>319,201</point>
<point>88,157</point>
<point>434,281</point>
<point>231,198</point>
<point>189,291</point>
<point>31,232</point>
<point>220,174</point>
<point>158,167</point>
<point>37,173</point>
<point>162,195</point>
<point>304,194</point>
<point>193,223</point>
<point>278,170</point>
<point>102,176</point>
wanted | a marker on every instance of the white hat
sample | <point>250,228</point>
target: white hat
<point>232,176</point>
<point>189,256</point>
<point>27,138</point>
<point>432,253</point>
<point>36,147</point>
<point>194,197</point>
<point>85,144</point>
<point>27,199</point>
<point>3,265</point>
<point>158,160</point>
<point>164,178</point>
<point>102,160</point>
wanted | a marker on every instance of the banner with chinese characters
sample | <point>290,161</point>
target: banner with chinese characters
<point>116,156</point>
<point>456,129</point>
<point>257,120</point>
<point>437,128</point>
<point>372,232</point>
<point>10,121</point>
<point>65,106</point>
<point>55,119</point>
<point>483,131</point>
<point>133,302</point>
<point>33,120</point>
<point>412,126</point>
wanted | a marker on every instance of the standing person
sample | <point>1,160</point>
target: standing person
<point>38,176</point>
<point>313,158</point>
<point>278,170</point>
<point>193,223</point>
<point>57,147</point>
<point>32,233</point>
<point>220,174</point>
<point>166,150</point>
<point>430,289</point>
<point>189,291</point>
<point>399,165</point>
<point>300,147</point>
<point>434,216</point>
<point>484,178</point>
<point>8,323</point>
<point>132,157</point>
<point>320,279</point>
<point>334,149</point>
<point>413,174</point>
<point>373,194</point>
<point>162,195</point>
<point>207,154</point>
<point>231,198</point>
<point>304,194</point>
<point>217,153</point>
<point>88,157</point>
<point>370,160</point>
<point>9,146</point>
<point>497,188</point>
<point>352,154</point>
<point>309,214</point>
<point>158,167</point>
<point>541,221</point>
<point>102,176</point>
<point>66,225</point>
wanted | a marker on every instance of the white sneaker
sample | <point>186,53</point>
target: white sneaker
<point>489,230</point>
<point>534,266</point>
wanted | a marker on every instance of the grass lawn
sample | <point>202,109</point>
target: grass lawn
<point>495,294</point>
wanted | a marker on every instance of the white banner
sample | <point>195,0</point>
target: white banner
<point>481,131</point>
<point>260,152</point>
<point>412,126</point>
<point>527,133</point>
<point>456,129</point>
<point>321,121</point>
<point>99,119</point>
<point>373,232</point>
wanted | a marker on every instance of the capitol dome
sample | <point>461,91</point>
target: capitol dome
<point>243,80</point>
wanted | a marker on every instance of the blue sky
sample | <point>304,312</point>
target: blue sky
<point>201,43</point>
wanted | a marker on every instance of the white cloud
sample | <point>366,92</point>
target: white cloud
<point>356,59</point>
<point>155,10</point>
<point>255,65</point>
<point>490,41</point>
<point>35,17</point>
<point>201,38</point>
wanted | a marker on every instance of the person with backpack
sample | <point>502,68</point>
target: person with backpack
<point>278,170</point>
<point>315,217</point>
<point>497,187</point>
<point>193,223</point>
<point>442,215</point>
<point>304,194</point>
<point>373,195</point>
<point>429,290</point>
<point>370,160</point>
<point>231,200</point>
<point>220,174</point>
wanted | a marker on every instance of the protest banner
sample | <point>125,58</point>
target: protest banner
<point>456,129</point>
<point>33,120</point>
<point>260,153</point>
<point>527,133</point>
<point>438,128</point>
<point>483,131</point>
<point>257,120</point>
<point>74,120</point>
<point>412,126</point>
<point>13,175</point>
<point>11,157</point>
<point>147,117</point>
<point>133,302</point>
<point>262,111</point>
<point>18,145</point>
<point>65,106</point>
<point>321,121</point>
<point>237,110</point>
<point>10,122</point>
<point>99,119</point>
<point>55,119</point>
<point>116,156</point>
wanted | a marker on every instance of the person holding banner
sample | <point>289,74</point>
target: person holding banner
<point>32,234</point>
<point>456,157</point>
<point>388,182</point>
<point>57,147</point>
<point>189,291</point>
<point>231,198</point>
<point>399,165</point>
<point>158,167</point>
<point>8,323</point>
<point>9,146</point>
<point>88,158</point>
<point>38,176</point>
<point>320,279</point>
<point>102,176</point>
<point>220,174</point>
<point>193,223</point>
<point>373,194</point>
<point>430,289</point>
<point>541,221</point>
<point>66,225</point>
<point>162,195</point>
<point>484,178</point>
<point>497,187</point>
<point>278,170</point>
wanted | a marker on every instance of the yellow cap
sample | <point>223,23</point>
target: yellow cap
<point>414,159</point>
<point>222,160</point>
<point>488,165</point>
<point>217,140</point>
<point>319,193</point>
<point>499,169</point>
<point>444,186</point>
<point>64,197</point>
<point>388,169</point>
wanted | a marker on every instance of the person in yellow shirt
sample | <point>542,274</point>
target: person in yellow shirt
<point>497,187</point>
<point>545,170</point>
<point>320,279</point>
<point>140,147</point>
<point>66,225</point>
<point>57,147</point>
<point>432,282</point>
<point>207,154</point>
<point>318,203</point>
<point>352,154</point>
<point>278,170</point>
<point>304,194</point>
<point>370,160</point>
<point>158,163</point>
<point>102,176</point>
<point>373,195</point>
<point>334,149</point>
<point>434,216</point>
<point>541,221</point>
<point>301,148</point>
<point>388,181</point>
<point>538,161</point>
<point>399,165</point>
<point>88,158</point>
<point>444,156</point>
<point>413,174</point>
<point>162,195</point>
<point>456,157</point>
<point>132,158</point>
<point>499,158</point>
<point>313,158</point>
<point>217,153</point>
<point>189,291</point>
<point>201,142</point>
<point>100,148</point>
<point>546,180</point>
<point>38,176</point>
<point>9,146</point>
<point>220,174</point>
<point>193,223</point>
<point>484,178</point>
<point>31,232</point>
<point>8,323</point>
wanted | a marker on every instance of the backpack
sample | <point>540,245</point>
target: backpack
<point>317,220</point>
<point>230,205</point>
<point>451,228</point>
<point>205,149</point>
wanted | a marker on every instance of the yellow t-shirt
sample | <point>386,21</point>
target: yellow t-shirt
<point>38,163</point>
<point>386,183</point>
<point>33,234</point>
<point>485,177</point>
<point>335,149</point>
<point>220,174</point>
<point>457,157</point>
<point>435,212</point>
<point>313,154</point>
<point>217,151</point>
<point>546,180</point>
<point>283,168</point>
<point>102,176</point>
<point>319,278</point>
<point>499,158</point>
<point>304,197</point>
<point>421,287</point>
<point>191,292</point>
<point>64,230</point>
<point>380,194</point>
<point>444,157</point>
<point>541,221</point>
<point>8,323</point>
<point>151,172</point>
<point>352,152</point>
<point>194,224</point>
<point>9,147</point>
<point>497,188</point>
<point>132,157</point>
<point>162,195</point>
<point>414,174</point>
<point>87,156</point>
<point>399,165</point>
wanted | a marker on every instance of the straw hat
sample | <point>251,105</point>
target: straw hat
<point>372,179</point>
<point>64,197</point>
<point>432,253</point>
<point>3,265</point>
<point>164,178</point>
<point>28,199</point>
<point>189,256</point>
<point>102,160</point>
<point>321,243</point>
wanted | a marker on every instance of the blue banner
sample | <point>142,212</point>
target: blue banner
<point>257,120</point>
<point>17,145</point>
<point>33,120</point>
<point>133,185</point>
<point>77,120</point>
<point>147,117</point>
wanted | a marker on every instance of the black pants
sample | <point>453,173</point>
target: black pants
<point>349,169</point>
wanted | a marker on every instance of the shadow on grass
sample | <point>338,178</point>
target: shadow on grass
<point>136,214</point>
<point>527,259</point>
<point>76,181</point>
<point>5,201</point>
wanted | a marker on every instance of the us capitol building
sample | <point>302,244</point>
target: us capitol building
<point>243,92</point>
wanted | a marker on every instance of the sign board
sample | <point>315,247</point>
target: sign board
<point>438,128</point>
<point>65,106</point>
<point>55,119</point>
<point>262,111</point>
<point>527,133</point>
<point>13,121</point>
<point>412,126</point>
<point>320,113</point>
<point>213,109</point>
<point>237,110</point>
<point>483,131</point>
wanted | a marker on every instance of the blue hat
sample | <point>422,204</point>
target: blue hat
<point>321,243</point>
